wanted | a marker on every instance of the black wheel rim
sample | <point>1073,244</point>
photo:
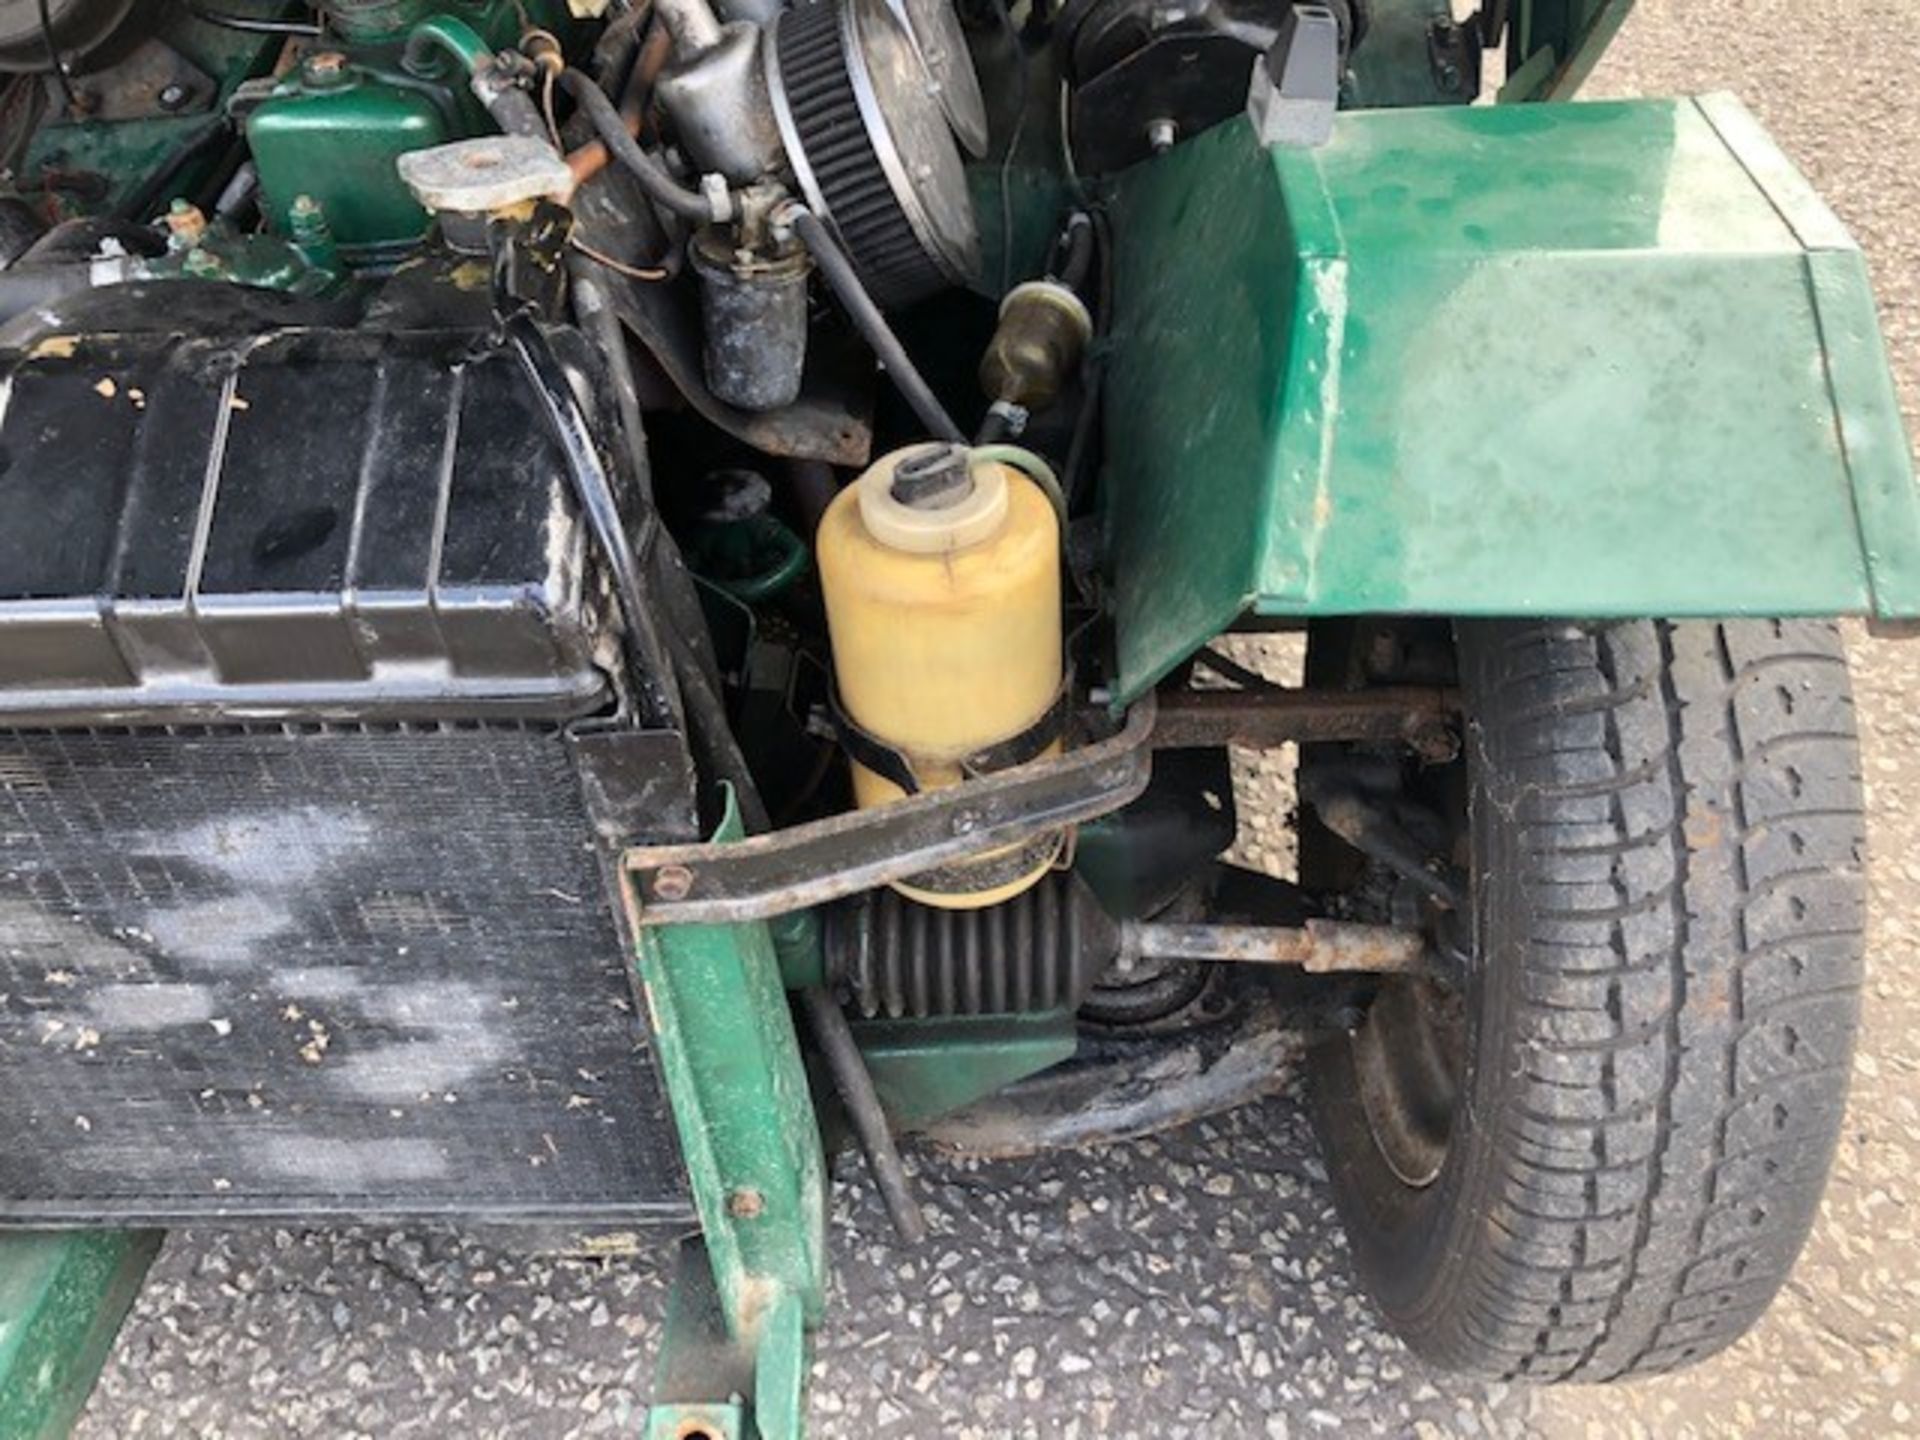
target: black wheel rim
<point>1407,1061</point>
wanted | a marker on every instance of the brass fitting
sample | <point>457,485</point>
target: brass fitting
<point>1043,332</point>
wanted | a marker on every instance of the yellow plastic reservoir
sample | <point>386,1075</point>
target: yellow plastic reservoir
<point>942,583</point>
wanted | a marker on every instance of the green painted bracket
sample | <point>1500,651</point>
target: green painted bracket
<point>725,1040</point>
<point>924,1069</point>
<point>62,1297</point>
<point>1586,360</point>
<point>712,1386</point>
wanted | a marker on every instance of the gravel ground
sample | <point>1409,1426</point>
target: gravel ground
<point>1187,1282</point>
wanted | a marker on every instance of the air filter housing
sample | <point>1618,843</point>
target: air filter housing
<point>871,146</point>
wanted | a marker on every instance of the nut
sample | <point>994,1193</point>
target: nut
<point>672,882</point>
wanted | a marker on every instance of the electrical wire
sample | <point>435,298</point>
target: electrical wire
<point>248,24</point>
<point>1022,78</point>
<point>53,59</point>
<point>710,732</point>
<point>546,108</point>
<point>593,490</point>
<point>620,267</point>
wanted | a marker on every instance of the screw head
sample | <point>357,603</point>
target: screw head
<point>174,96</point>
<point>746,1204</point>
<point>672,882</point>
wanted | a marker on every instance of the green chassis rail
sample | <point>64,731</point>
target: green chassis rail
<point>61,1301</point>
<point>1607,359</point>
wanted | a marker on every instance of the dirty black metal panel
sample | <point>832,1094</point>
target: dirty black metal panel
<point>293,523</point>
<point>310,972</point>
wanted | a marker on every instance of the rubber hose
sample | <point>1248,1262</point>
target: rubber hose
<point>660,186</point>
<point>1076,263</point>
<point>27,287</point>
<point>855,1083</point>
<point>872,325</point>
<point>252,24</point>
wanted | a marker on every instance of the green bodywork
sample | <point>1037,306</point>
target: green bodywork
<point>725,1042</point>
<point>924,1069</point>
<point>61,1300</point>
<point>94,167</point>
<point>712,1383</point>
<point>1607,359</point>
<point>1583,360</point>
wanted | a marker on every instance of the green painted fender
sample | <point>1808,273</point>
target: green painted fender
<point>1561,359</point>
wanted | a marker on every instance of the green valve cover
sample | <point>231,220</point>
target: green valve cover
<point>339,143</point>
<point>1564,359</point>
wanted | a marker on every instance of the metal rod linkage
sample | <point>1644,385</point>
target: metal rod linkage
<point>1320,947</point>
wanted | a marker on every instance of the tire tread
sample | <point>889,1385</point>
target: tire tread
<point>1692,962</point>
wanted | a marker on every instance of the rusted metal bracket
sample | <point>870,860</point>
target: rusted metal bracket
<point>807,865</point>
<point>1423,717</point>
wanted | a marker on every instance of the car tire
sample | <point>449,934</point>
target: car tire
<point>1637,1081</point>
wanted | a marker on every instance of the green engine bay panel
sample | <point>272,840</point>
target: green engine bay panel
<point>1574,359</point>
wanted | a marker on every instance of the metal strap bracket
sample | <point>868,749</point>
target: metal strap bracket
<point>823,860</point>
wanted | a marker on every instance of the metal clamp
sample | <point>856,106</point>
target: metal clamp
<point>807,865</point>
<point>892,764</point>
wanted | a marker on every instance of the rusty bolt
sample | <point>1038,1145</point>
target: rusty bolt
<point>186,224</point>
<point>1434,742</point>
<point>745,1204</point>
<point>325,66</point>
<point>672,882</point>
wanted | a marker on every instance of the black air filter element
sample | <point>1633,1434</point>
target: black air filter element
<point>858,121</point>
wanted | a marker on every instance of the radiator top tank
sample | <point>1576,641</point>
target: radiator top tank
<point>942,580</point>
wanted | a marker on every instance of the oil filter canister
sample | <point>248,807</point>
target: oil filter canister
<point>754,313</point>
